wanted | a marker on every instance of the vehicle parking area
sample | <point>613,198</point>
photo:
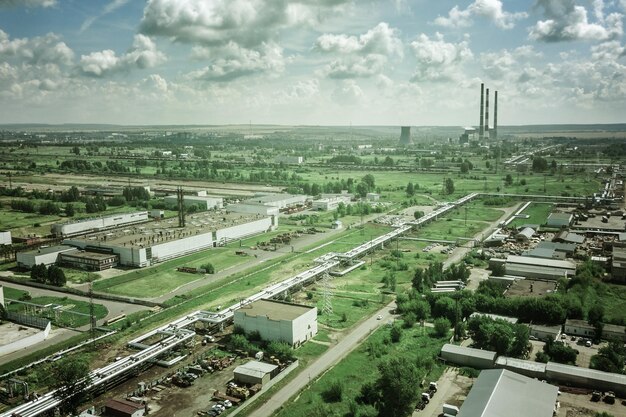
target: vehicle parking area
<point>523,287</point>
<point>452,389</point>
<point>580,405</point>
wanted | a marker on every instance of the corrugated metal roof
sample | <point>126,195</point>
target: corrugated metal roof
<point>590,374</point>
<point>499,393</point>
<point>521,364</point>
<point>467,351</point>
<point>255,368</point>
<point>561,247</point>
<point>526,260</point>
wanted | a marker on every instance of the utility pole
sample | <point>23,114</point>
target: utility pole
<point>92,317</point>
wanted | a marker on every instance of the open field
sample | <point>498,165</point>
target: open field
<point>537,212</point>
<point>350,372</point>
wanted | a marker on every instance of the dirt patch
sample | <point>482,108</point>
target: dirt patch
<point>580,405</point>
<point>522,288</point>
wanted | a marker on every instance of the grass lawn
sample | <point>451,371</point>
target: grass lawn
<point>451,229</point>
<point>64,318</point>
<point>350,371</point>
<point>538,213</point>
<point>13,293</point>
<point>614,301</point>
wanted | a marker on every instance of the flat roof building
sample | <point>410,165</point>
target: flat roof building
<point>585,377</point>
<point>498,392</point>
<point>203,202</point>
<point>90,261</point>
<point>253,208</point>
<point>47,256</point>
<point>559,220</point>
<point>579,328</point>
<point>255,372</point>
<point>278,321</point>
<point>539,268</point>
<point>278,200</point>
<point>123,408</point>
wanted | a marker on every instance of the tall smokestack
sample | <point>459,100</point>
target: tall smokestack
<point>495,116</point>
<point>481,130</point>
<point>487,115</point>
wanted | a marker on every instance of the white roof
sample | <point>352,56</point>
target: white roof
<point>527,260</point>
<point>255,369</point>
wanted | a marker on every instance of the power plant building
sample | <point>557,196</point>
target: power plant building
<point>278,321</point>
<point>484,132</point>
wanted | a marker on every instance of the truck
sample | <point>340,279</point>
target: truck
<point>451,410</point>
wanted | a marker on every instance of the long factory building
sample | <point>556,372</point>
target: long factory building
<point>149,243</point>
<point>176,332</point>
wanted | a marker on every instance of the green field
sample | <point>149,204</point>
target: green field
<point>538,213</point>
<point>350,371</point>
<point>614,302</point>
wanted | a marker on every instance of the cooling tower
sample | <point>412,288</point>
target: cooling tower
<point>405,135</point>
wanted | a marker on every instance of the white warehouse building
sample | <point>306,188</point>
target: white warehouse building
<point>203,202</point>
<point>5,237</point>
<point>278,321</point>
<point>278,200</point>
<point>47,256</point>
<point>253,208</point>
<point>97,224</point>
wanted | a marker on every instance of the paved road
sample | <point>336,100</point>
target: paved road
<point>332,356</point>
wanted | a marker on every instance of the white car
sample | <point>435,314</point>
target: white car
<point>379,317</point>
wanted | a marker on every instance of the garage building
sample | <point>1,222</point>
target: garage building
<point>278,321</point>
<point>498,392</point>
<point>255,372</point>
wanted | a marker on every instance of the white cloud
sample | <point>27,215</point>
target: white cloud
<point>360,56</point>
<point>38,50</point>
<point>348,93</point>
<point>438,60</point>
<point>490,9</point>
<point>143,54</point>
<point>567,21</point>
<point>233,61</point>
<point>27,3</point>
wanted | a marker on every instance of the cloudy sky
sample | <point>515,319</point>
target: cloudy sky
<point>320,62</point>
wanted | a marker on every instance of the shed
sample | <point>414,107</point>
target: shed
<point>498,392</point>
<point>530,369</point>
<point>255,372</point>
<point>585,377</point>
<point>465,356</point>
<point>123,408</point>
<point>525,235</point>
<point>579,328</point>
<point>512,320</point>
<point>545,332</point>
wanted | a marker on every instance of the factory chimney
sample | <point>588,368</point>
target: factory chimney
<point>494,133</point>
<point>405,135</point>
<point>487,115</point>
<point>481,130</point>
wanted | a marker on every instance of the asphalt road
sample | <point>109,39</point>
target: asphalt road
<point>332,356</point>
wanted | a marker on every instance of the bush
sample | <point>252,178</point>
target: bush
<point>208,268</point>
<point>442,327</point>
<point>396,333</point>
<point>334,393</point>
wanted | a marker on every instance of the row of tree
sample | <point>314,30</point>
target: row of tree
<point>52,275</point>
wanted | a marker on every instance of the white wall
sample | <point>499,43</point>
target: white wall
<point>253,209</point>
<point>5,238</point>
<point>32,258</point>
<point>294,332</point>
<point>25,342</point>
<point>244,230</point>
<point>168,250</point>
<point>81,226</point>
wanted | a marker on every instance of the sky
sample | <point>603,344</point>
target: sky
<point>311,62</point>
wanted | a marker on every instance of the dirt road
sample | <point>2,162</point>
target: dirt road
<point>332,356</point>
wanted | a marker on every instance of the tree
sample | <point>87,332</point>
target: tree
<point>71,378</point>
<point>396,385</point>
<point>396,333</point>
<point>418,214</point>
<point>448,186</point>
<point>539,164</point>
<point>69,210</point>
<point>410,189</point>
<point>442,327</point>
<point>56,276</point>
<point>39,273</point>
<point>208,268</point>
<point>595,313</point>
<point>334,392</point>
<point>362,189</point>
<point>508,180</point>
<point>369,180</point>
<point>75,150</point>
<point>418,279</point>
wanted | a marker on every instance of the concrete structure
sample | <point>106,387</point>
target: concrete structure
<point>559,220</point>
<point>530,369</point>
<point>498,392</point>
<point>614,332</point>
<point>538,268</point>
<point>585,377</point>
<point>47,256</point>
<point>372,197</point>
<point>255,372</point>
<point>481,128</point>
<point>579,328</point>
<point>98,224</point>
<point>253,208</point>
<point>203,202</point>
<point>289,160</point>
<point>465,356</point>
<point>544,332</point>
<point>159,241</point>
<point>90,261</point>
<point>331,203</point>
<point>5,237</point>
<point>33,337</point>
<point>405,135</point>
<point>618,263</point>
<point>278,200</point>
<point>278,321</point>
<point>123,408</point>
